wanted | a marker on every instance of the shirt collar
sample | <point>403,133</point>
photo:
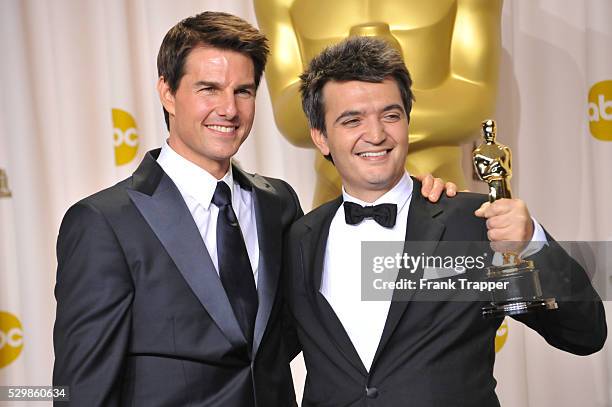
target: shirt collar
<point>399,194</point>
<point>189,178</point>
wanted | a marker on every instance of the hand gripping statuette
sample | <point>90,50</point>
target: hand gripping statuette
<point>493,164</point>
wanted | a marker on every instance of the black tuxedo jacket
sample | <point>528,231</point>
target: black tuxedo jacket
<point>142,317</point>
<point>430,353</point>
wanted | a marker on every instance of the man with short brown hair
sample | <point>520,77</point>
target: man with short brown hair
<point>167,284</point>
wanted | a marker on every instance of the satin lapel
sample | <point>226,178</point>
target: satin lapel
<point>165,211</point>
<point>269,235</point>
<point>313,246</point>
<point>423,233</point>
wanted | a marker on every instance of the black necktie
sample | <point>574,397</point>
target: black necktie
<point>234,267</point>
<point>383,214</point>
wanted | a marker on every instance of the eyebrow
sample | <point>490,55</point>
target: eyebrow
<point>394,106</point>
<point>217,85</point>
<point>349,113</point>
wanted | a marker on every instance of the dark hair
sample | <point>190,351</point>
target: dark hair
<point>366,59</point>
<point>216,29</point>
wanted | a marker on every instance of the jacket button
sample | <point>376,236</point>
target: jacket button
<point>371,392</point>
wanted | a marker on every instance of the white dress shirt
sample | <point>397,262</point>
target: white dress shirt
<point>364,321</point>
<point>197,188</point>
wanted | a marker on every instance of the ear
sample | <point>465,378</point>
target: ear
<point>320,140</point>
<point>166,96</point>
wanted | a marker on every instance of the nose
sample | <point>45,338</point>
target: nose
<point>227,105</point>
<point>375,132</point>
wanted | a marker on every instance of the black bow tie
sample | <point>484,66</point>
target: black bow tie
<point>383,214</point>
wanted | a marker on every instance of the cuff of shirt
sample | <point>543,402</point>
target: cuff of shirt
<point>538,240</point>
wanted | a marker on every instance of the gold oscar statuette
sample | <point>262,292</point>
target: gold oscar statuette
<point>5,192</point>
<point>493,164</point>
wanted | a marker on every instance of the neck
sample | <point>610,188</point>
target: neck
<point>366,196</point>
<point>217,169</point>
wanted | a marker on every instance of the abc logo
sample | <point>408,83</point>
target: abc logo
<point>600,110</point>
<point>501,336</point>
<point>11,338</point>
<point>125,136</point>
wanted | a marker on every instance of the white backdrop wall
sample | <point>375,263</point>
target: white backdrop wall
<point>78,109</point>
<point>554,52</point>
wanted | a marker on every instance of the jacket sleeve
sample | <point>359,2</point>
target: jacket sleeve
<point>94,292</point>
<point>579,325</point>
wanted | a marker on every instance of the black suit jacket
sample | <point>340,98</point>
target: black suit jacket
<point>142,317</point>
<point>430,353</point>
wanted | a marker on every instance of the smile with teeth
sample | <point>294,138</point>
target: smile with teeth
<point>373,154</point>
<point>222,129</point>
